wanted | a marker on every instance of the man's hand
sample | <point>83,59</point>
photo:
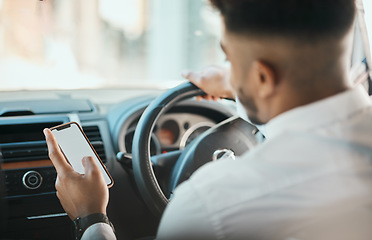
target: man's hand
<point>79,194</point>
<point>213,80</point>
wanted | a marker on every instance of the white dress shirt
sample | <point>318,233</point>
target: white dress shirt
<point>99,231</point>
<point>310,179</point>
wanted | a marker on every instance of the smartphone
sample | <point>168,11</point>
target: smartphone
<point>75,145</point>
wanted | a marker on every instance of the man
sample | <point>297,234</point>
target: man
<point>312,177</point>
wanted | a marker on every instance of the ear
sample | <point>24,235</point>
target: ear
<point>265,79</point>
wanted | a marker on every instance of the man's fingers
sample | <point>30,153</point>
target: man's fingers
<point>55,154</point>
<point>185,73</point>
<point>192,77</point>
<point>90,166</point>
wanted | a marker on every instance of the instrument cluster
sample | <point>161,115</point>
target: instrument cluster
<point>173,131</point>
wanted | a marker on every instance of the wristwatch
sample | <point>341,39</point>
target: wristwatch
<point>82,224</point>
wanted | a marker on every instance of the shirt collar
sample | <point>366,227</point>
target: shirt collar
<point>320,112</point>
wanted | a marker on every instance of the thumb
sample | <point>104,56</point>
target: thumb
<point>90,166</point>
<point>191,76</point>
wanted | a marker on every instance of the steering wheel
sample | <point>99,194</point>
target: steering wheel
<point>234,135</point>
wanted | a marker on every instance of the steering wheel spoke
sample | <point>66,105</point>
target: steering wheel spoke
<point>163,165</point>
<point>165,161</point>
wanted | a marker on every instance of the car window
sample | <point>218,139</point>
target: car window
<point>104,43</point>
<point>63,44</point>
<point>368,17</point>
<point>368,22</point>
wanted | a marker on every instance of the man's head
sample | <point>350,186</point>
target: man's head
<point>286,53</point>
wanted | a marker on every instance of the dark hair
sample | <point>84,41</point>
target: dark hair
<point>294,18</point>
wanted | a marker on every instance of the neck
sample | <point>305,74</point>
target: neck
<point>293,97</point>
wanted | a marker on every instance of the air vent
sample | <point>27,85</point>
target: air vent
<point>15,152</point>
<point>37,150</point>
<point>95,139</point>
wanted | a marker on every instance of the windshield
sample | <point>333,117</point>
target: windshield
<point>68,44</point>
<point>104,43</point>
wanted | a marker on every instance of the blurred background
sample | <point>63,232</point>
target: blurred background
<point>104,43</point>
<point>67,44</point>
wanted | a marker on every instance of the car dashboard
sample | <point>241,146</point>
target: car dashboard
<point>108,118</point>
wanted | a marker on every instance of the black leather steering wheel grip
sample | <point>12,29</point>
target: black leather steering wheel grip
<point>142,167</point>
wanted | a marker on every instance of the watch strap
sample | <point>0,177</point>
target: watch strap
<point>82,224</point>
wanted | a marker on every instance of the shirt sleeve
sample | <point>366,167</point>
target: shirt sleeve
<point>99,231</point>
<point>186,217</point>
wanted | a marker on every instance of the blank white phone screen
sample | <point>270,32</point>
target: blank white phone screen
<point>75,147</point>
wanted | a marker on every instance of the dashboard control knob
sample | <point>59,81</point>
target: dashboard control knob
<point>32,180</point>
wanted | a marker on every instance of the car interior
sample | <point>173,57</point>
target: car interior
<point>114,68</point>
